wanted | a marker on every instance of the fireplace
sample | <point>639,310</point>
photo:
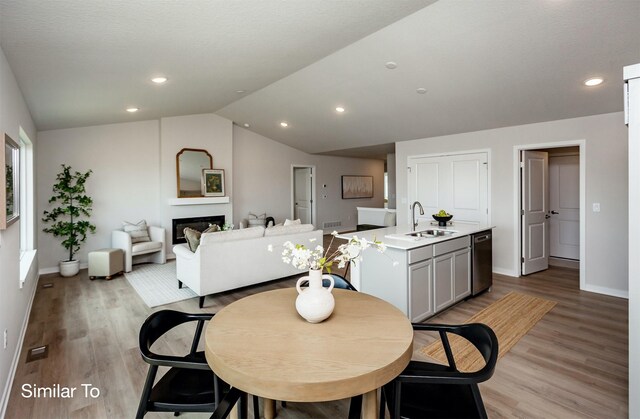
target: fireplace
<point>197,223</point>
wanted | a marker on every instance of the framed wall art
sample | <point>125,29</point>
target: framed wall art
<point>354,187</point>
<point>213,182</point>
<point>9,182</point>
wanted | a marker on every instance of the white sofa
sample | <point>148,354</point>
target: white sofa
<point>228,260</point>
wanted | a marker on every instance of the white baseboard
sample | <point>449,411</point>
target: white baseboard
<point>505,272</point>
<point>4,402</point>
<point>56,269</point>
<point>564,263</point>
<point>607,291</point>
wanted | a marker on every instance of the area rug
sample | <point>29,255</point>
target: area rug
<point>157,284</point>
<point>511,317</point>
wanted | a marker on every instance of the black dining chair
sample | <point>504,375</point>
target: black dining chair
<point>429,390</point>
<point>189,385</point>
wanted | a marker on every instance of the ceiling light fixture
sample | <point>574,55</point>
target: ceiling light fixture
<point>240,91</point>
<point>284,124</point>
<point>593,81</point>
<point>246,125</point>
<point>159,80</point>
<point>132,110</point>
<point>339,109</point>
<point>421,90</point>
<point>391,65</point>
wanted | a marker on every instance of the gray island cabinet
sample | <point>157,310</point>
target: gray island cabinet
<point>419,275</point>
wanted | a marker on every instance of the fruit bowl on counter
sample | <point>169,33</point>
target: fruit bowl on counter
<point>442,219</point>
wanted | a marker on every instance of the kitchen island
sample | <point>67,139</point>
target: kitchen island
<point>422,272</point>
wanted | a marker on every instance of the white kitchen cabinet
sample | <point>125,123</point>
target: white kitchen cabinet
<point>420,291</point>
<point>421,280</point>
<point>451,278</point>
<point>462,274</point>
<point>443,274</point>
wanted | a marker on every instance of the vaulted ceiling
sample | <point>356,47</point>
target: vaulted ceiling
<point>481,64</point>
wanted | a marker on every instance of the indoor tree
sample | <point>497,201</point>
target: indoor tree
<point>73,204</point>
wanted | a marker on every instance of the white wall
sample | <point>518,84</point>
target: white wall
<point>14,302</point>
<point>262,180</point>
<point>606,182</point>
<point>124,185</point>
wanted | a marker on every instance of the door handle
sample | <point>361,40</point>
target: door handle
<point>555,212</point>
<point>547,216</point>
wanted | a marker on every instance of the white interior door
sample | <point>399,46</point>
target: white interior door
<point>302,194</point>
<point>564,203</point>
<point>535,211</point>
<point>457,184</point>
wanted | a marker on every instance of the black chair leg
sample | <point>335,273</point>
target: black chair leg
<point>256,407</point>
<point>201,301</point>
<point>226,405</point>
<point>355,409</point>
<point>179,285</point>
<point>146,391</point>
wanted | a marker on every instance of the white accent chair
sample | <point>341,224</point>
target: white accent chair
<point>153,251</point>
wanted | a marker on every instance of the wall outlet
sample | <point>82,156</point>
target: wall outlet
<point>5,339</point>
<point>596,207</point>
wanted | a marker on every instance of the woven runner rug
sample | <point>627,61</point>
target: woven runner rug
<point>157,284</point>
<point>511,317</point>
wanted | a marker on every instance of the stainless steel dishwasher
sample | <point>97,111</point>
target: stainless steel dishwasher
<point>481,262</point>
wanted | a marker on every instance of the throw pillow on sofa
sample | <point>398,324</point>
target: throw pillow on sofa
<point>192,236</point>
<point>289,222</point>
<point>138,231</point>
<point>256,220</point>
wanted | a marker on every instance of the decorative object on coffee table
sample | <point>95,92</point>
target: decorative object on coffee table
<point>66,219</point>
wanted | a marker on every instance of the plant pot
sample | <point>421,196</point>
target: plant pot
<point>69,268</point>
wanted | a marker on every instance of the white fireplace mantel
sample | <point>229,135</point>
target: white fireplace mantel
<point>199,201</point>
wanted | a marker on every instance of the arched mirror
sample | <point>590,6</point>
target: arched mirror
<point>189,165</point>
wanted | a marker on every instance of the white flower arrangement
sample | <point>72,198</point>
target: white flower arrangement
<point>304,258</point>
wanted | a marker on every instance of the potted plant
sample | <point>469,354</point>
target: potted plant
<point>72,204</point>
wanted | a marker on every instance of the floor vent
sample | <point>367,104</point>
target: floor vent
<point>49,285</point>
<point>39,352</point>
<point>332,224</point>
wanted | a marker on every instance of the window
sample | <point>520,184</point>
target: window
<point>27,206</point>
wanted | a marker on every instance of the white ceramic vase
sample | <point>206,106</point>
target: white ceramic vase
<point>315,303</point>
<point>69,268</point>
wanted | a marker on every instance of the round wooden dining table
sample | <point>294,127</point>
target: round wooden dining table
<point>262,346</point>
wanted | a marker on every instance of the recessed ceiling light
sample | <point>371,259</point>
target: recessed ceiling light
<point>132,109</point>
<point>246,125</point>
<point>284,124</point>
<point>421,90</point>
<point>390,65</point>
<point>594,81</point>
<point>159,80</point>
<point>340,109</point>
<point>240,91</point>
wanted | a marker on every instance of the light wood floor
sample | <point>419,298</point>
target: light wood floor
<point>573,363</point>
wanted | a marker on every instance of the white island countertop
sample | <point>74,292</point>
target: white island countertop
<point>395,237</point>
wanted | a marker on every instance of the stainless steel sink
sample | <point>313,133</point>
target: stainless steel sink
<point>430,233</point>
